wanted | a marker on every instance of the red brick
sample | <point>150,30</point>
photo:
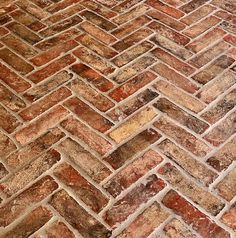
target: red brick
<point>174,77</point>
<point>3,171</point>
<point>230,39</point>
<point>229,217</point>
<point>27,199</point>
<point>51,69</point>
<point>84,160</point>
<point>61,5</point>
<point>165,8</point>
<point>131,173</point>
<point>53,53</point>
<point>131,86</point>
<point>95,61</point>
<point>30,223</point>
<point>6,145</point>
<point>41,125</point>
<point>183,137</point>
<point>192,216</point>
<point>146,222</point>
<point>92,77</point>
<point>84,190</point>
<point>15,61</point>
<point>24,176</point>
<point>93,140</point>
<point>94,97</point>
<point>57,228</point>
<point>77,216</point>
<point>130,202</point>
<point>192,5</point>
<point>127,151</point>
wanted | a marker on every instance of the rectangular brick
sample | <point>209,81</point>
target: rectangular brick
<point>181,116</point>
<point>131,201</point>
<point>3,171</point>
<point>45,104</point>
<point>51,69</point>
<point>95,61</point>
<point>146,222</point>
<point>192,5</point>
<point>6,145</point>
<point>77,216</point>
<point>30,223</point>
<point>180,97</point>
<point>85,161</point>
<point>57,228</point>
<point>127,108</point>
<point>131,173</point>
<point>34,149</point>
<point>183,137</point>
<point>193,167</point>
<point>41,125</point>
<point>224,156</point>
<point>28,198</point>
<point>227,186</point>
<point>60,5</point>
<point>25,175</point>
<point>84,133</point>
<point>131,86</point>
<point>198,195</point>
<point>15,61</point>
<point>94,97</point>
<point>88,115</point>
<point>127,151</point>
<point>192,216</point>
<point>129,127</point>
<point>175,78</point>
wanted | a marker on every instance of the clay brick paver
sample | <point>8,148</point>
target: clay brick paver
<point>118,118</point>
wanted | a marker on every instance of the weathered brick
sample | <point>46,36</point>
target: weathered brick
<point>179,96</point>
<point>93,140</point>
<point>51,69</point>
<point>228,5</point>
<point>30,224</point>
<point>60,5</point>
<point>229,217</point>
<point>131,86</point>
<point>130,202</point>
<point>24,176</point>
<point>15,61</point>
<point>41,125</point>
<point>8,122</point>
<point>145,223</point>
<point>77,216</point>
<point>6,145</point>
<point>181,116</point>
<point>175,78</point>
<point>44,104</point>
<point>226,187</point>
<point>199,196</point>
<point>192,166</point>
<point>3,171</point>
<point>126,109</point>
<point>95,61</point>
<point>183,137</point>
<point>132,172</point>
<point>89,194</point>
<point>176,228</point>
<point>92,77</point>
<point>28,198</point>
<point>84,160</point>
<point>124,5</point>
<point>214,69</point>
<point>91,95</point>
<point>130,126</point>
<point>192,5</point>
<point>222,131</point>
<point>192,216</point>
<point>39,91</point>
<point>57,228</point>
<point>223,157</point>
<point>126,151</point>
<point>219,110</point>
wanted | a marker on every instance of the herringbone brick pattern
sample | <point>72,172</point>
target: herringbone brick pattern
<point>117,118</point>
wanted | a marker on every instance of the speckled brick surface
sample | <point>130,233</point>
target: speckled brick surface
<point>117,118</point>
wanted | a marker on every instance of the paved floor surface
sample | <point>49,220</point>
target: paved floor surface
<point>117,118</point>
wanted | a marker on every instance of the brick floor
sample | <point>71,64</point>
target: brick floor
<point>117,118</point>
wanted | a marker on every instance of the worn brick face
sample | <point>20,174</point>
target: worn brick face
<point>117,118</point>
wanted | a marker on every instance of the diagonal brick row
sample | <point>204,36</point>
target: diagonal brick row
<point>117,118</point>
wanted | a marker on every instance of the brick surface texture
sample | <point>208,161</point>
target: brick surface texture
<point>118,118</point>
